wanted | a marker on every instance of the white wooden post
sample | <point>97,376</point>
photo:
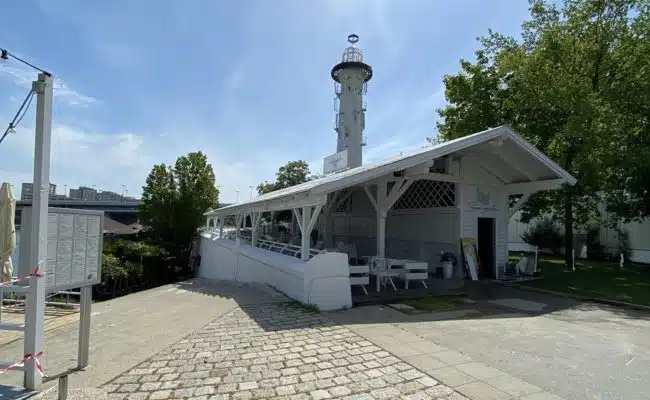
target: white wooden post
<point>306,220</point>
<point>238,219</point>
<point>327,218</point>
<point>306,233</point>
<point>35,302</point>
<point>255,221</point>
<point>382,203</point>
<point>382,213</point>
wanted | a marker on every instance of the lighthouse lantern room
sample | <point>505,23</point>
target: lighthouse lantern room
<point>351,78</point>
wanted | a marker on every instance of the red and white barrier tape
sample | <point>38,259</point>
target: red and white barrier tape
<point>21,363</point>
<point>37,273</point>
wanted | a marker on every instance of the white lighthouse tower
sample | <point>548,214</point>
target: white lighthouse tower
<point>351,78</point>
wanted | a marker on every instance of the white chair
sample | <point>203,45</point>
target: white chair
<point>359,276</point>
<point>380,267</point>
<point>415,271</point>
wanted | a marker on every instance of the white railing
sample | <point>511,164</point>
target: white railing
<point>285,248</point>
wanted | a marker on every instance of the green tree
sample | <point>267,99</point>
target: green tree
<point>576,85</point>
<point>174,200</point>
<point>291,174</point>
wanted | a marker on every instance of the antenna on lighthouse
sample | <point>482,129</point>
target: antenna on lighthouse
<point>351,78</point>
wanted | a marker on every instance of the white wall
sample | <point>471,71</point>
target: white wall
<point>638,234</point>
<point>492,202</point>
<point>323,281</point>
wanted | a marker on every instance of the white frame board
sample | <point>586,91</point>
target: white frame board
<point>470,257</point>
<point>335,162</point>
<point>71,225</point>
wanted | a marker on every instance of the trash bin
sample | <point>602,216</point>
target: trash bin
<point>447,260</point>
<point>447,269</point>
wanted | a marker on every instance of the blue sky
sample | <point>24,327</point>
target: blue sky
<point>247,82</point>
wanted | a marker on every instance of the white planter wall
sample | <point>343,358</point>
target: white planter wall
<point>322,281</point>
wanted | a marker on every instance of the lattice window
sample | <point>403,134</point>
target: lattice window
<point>427,194</point>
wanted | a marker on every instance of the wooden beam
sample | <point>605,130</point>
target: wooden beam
<point>396,193</point>
<point>372,199</point>
<point>522,200</point>
<point>512,164</point>
<point>314,218</point>
<point>298,213</point>
<point>531,187</point>
<point>348,193</point>
<point>330,202</point>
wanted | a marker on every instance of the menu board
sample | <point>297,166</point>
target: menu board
<point>74,247</point>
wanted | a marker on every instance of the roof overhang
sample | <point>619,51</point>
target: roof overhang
<point>289,202</point>
<point>315,192</point>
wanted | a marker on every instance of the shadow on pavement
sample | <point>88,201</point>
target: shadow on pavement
<point>489,300</point>
<point>15,393</point>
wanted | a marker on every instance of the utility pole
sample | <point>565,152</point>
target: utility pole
<point>251,188</point>
<point>237,195</point>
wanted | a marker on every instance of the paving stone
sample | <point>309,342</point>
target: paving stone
<point>320,394</point>
<point>439,391</point>
<point>150,386</point>
<point>483,391</point>
<point>161,395</point>
<point>276,351</point>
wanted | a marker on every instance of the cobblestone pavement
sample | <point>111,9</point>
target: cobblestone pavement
<point>275,351</point>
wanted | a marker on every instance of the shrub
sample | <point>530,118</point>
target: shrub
<point>113,268</point>
<point>545,235</point>
<point>130,266</point>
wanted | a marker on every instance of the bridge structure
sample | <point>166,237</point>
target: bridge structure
<point>125,211</point>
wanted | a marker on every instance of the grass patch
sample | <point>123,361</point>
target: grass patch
<point>599,279</point>
<point>310,308</point>
<point>438,303</point>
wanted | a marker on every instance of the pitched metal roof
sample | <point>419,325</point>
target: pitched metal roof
<point>368,172</point>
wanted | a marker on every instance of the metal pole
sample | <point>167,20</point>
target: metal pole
<point>85,303</point>
<point>63,387</point>
<point>35,302</point>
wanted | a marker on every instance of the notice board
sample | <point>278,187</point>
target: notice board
<point>74,247</point>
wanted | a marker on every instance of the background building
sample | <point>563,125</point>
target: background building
<point>27,191</point>
<point>81,193</point>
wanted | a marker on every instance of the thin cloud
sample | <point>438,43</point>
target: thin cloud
<point>24,77</point>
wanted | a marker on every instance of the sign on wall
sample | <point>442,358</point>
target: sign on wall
<point>336,162</point>
<point>74,247</point>
<point>480,198</point>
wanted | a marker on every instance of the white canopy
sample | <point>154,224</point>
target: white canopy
<point>7,230</point>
